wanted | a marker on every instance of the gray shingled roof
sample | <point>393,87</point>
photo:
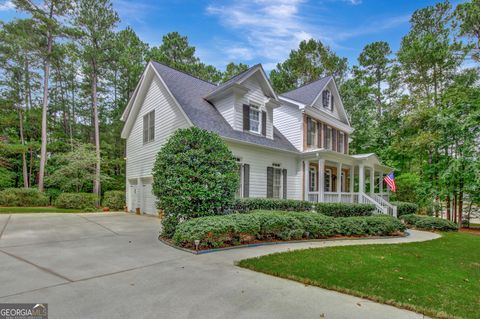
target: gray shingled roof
<point>306,94</point>
<point>189,91</point>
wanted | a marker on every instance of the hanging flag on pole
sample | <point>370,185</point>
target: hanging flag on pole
<point>390,180</point>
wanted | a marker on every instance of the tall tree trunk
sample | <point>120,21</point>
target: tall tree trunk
<point>460,202</point>
<point>96,184</point>
<point>30,172</point>
<point>24,157</point>
<point>46,72</point>
<point>449,215</point>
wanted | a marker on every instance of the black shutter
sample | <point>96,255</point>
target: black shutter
<point>269,182</point>
<point>338,142</point>
<point>345,144</point>
<point>246,180</point>
<point>331,106</point>
<point>319,133</point>
<point>284,172</point>
<point>309,129</point>
<point>246,117</point>
<point>264,123</point>
<point>325,133</point>
<point>334,139</point>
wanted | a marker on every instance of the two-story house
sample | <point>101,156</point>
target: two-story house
<point>293,145</point>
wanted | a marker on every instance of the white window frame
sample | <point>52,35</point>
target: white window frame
<point>328,174</point>
<point>314,127</point>
<point>328,106</point>
<point>341,143</point>
<point>255,109</point>
<point>313,179</point>
<point>275,187</point>
<point>343,182</point>
<point>329,145</point>
<point>149,127</point>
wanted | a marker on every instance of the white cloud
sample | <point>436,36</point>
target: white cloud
<point>268,29</point>
<point>7,5</point>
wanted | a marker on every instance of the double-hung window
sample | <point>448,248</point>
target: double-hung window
<point>277,182</point>
<point>313,179</point>
<point>312,139</point>
<point>329,138</point>
<point>341,145</point>
<point>149,127</point>
<point>254,115</point>
<point>328,180</point>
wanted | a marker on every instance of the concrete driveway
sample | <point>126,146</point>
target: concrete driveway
<point>112,266</point>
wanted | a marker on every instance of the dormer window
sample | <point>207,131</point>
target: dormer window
<point>327,100</point>
<point>254,119</point>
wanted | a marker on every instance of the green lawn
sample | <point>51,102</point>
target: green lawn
<point>20,210</point>
<point>439,278</point>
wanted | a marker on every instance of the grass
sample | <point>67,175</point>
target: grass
<point>23,210</point>
<point>439,278</point>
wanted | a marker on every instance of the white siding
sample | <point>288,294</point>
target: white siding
<point>226,107</point>
<point>168,118</point>
<point>288,120</point>
<point>259,159</point>
<point>256,95</point>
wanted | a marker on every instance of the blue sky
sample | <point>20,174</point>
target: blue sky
<point>264,31</point>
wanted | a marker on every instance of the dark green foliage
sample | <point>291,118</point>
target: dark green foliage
<point>114,200</point>
<point>405,208</point>
<point>7,178</point>
<point>429,223</point>
<point>234,229</point>
<point>242,205</point>
<point>195,174</point>
<point>344,209</point>
<point>169,224</point>
<point>84,201</point>
<point>23,197</point>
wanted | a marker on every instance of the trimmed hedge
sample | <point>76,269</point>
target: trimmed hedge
<point>245,205</point>
<point>429,223</point>
<point>344,209</point>
<point>23,197</point>
<point>405,208</point>
<point>235,229</point>
<point>84,201</point>
<point>114,200</point>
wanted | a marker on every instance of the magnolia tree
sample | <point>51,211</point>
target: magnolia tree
<point>195,174</point>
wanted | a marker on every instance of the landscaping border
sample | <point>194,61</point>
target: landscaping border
<point>269,243</point>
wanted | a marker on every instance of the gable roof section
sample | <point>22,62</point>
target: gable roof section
<point>308,93</point>
<point>189,92</point>
<point>241,77</point>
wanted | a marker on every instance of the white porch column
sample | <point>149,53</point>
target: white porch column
<point>372,180</point>
<point>361,178</point>
<point>352,183</point>
<point>306,178</point>
<point>339,181</point>
<point>380,182</point>
<point>321,179</point>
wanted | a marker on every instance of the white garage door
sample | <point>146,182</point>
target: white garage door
<point>148,199</point>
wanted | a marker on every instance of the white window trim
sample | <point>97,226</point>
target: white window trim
<point>280,188</point>
<point>328,107</point>
<point>242,179</point>
<point>341,142</point>
<point>313,169</point>
<point>148,127</point>
<point>328,172</point>
<point>255,108</point>
<point>329,138</point>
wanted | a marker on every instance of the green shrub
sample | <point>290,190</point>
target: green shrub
<point>434,223</point>
<point>195,174</point>
<point>84,201</point>
<point>234,229</point>
<point>169,224</point>
<point>405,208</point>
<point>245,205</point>
<point>7,178</point>
<point>114,200</point>
<point>344,209</point>
<point>23,197</point>
<point>429,222</point>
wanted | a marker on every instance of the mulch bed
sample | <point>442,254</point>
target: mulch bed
<point>470,230</point>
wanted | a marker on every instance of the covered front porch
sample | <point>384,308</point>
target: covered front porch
<point>339,178</point>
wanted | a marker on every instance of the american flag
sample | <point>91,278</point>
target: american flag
<point>390,180</point>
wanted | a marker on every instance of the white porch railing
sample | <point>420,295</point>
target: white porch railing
<point>382,206</point>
